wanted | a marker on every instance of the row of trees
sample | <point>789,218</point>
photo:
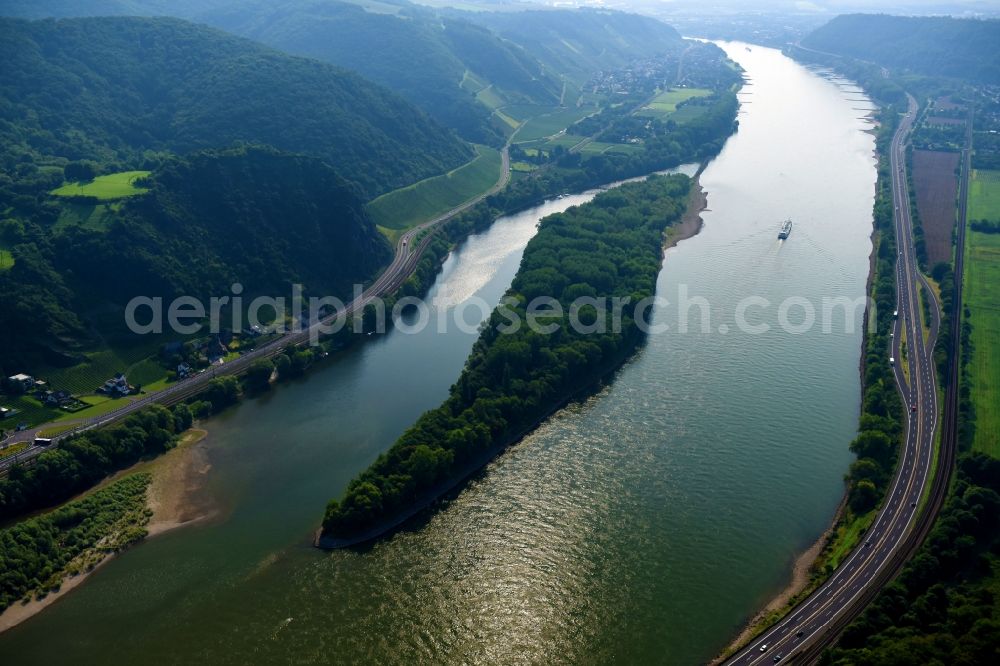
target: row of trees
<point>986,226</point>
<point>610,247</point>
<point>879,428</point>
<point>940,610</point>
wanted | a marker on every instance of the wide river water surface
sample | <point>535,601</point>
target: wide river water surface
<point>645,523</point>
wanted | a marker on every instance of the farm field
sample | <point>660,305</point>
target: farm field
<point>522,112</point>
<point>687,114</point>
<point>84,378</point>
<point>424,200</point>
<point>982,275</point>
<point>105,188</point>
<point>984,195</point>
<point>490,98</point>
<point>666,102</point>
<point>548,124</point>
<point>936,189</point>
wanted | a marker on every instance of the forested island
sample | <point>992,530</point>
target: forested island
<point>608,248</point>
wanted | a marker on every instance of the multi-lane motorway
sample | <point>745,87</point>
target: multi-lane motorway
<point>798,637</point>
<point>409,248</point>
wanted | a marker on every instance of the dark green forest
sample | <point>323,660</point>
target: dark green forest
<point>611,247</point>
<point>250,215</point>
<point>119,90</point>
<point>931,46</point>
<point>882,411</point>
<point>426,63</point>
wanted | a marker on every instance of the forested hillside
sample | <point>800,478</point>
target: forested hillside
<point>581,42</point>
<point>933,46</point>
<point>415,52</point>
<point>115,90</point>
<point>250,215</point>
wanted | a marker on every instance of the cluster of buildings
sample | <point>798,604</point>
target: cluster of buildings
<point>641,75</point>
<point>24,384</point>
<point>28,385</point>
<point>186,357</point>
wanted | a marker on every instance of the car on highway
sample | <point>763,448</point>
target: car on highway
<point>913,408</point>
<point>798,634</point>
<point>763,648</point>
<point>777,658</point>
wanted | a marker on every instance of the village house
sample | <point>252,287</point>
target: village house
<point>116,387</point>
<point>22,382</point>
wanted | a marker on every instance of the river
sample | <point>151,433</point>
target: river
<point>645,523</point>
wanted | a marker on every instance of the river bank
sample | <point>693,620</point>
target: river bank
<point>622,529</point>
<point>802,579</point>
<point>688,225</point>
<point>172,500</point>
<point>176,495</point>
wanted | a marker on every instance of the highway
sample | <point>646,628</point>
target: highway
<point>800,636</point>
<point>409,248</point>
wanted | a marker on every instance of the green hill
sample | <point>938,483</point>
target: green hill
<point>436,63</point>
<point>256,216</point>
<point>933,46</point>
<point>420,55</point>
<point>114,89</point>
<point>580,42</point>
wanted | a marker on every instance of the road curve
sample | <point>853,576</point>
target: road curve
<point>409,248</point>
<point>821,615</point>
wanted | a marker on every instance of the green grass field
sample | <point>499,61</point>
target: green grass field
<point>687,113</point>
<point>564,140</point>
<point>982,278</point>
<point>510,123</point>
<point>107,187</point>
<point>490,98</point>
<point>87,216</point>
<point>471,83</point>
<point>6,259</point>
<point>523,112</point>
<point>551,123</point>
<point>666,102</point>
<point>431,197</point>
